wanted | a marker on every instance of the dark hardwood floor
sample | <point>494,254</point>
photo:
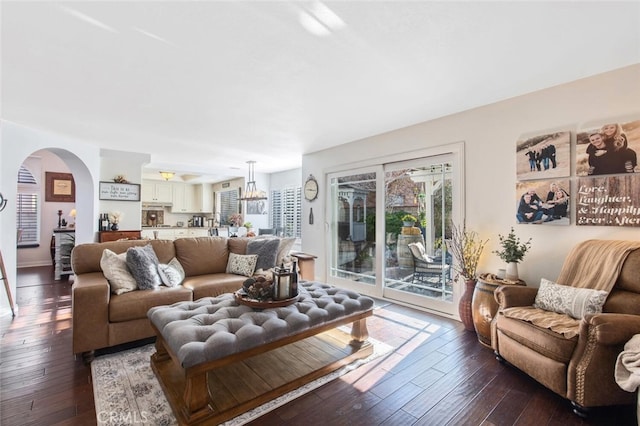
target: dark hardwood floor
<point>438,375</point>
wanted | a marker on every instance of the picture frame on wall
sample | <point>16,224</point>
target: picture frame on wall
<point>116,191</point>
<point>544,156</point>
<point>543,202</point>
<point>257,207</point>
<point>609,148</point>
<point>60,187</point>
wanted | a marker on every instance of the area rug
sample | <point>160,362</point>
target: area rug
<point>126,390</point>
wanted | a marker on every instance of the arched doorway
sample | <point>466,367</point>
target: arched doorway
<point>81,158</point>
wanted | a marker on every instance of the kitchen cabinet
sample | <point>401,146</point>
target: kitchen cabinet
<point>198,232</point>
<point>204,198</point>
<point>183,199</point>
<point>188,198</point>
<point>153,191</point>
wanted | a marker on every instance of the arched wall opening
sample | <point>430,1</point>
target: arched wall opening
<point>83,161</point>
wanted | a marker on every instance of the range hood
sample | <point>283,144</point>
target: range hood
<point>156,204</point>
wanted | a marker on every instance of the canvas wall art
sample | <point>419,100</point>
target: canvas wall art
<point>257,207</point>
<point>545,202</point>
<point>544,156</point>
<point>608,149</point>
<point>609,200</point>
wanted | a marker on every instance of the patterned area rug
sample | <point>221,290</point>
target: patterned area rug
<point>126,391</point>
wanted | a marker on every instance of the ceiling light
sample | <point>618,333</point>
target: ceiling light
<point>167,175</point>
<point>252,193</point>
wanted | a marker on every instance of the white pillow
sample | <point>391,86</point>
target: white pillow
<point>114,267</point>
<point>573,301</point>
<point>286,243</point>
<point>242,264</point>
<point>172,274</point>
<point>417,250</point>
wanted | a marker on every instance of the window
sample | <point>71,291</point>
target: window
<point>229,204</point>
<point>286,211</point>
<point>28,209</point>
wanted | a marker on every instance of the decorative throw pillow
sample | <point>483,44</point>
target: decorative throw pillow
<point>417,250</point>
<point>143,264</point>
<point>573,301</point>
<point>172,274</point>
<point>284,248</point>
<point>266,249</point>
<point>115,270</point>
<point>242,264</point>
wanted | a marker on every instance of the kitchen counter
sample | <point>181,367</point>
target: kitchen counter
<point>173,232</point>
<point>144,227</point>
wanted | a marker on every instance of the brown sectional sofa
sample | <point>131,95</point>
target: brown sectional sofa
<point>102,319</point>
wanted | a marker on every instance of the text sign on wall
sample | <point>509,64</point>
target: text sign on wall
<point>119,191</point>
<point>609,201</point>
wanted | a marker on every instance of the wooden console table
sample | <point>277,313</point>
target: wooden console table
<point>307,265</point>
<point>105,236</point>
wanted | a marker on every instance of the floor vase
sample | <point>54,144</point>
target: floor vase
<point>464,306</point>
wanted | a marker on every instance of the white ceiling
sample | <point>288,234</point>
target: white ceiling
<point>205,86</point>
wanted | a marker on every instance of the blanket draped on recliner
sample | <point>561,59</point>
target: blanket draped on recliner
<point>595,264</point>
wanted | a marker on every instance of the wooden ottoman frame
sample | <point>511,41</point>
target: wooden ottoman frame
<point>195,400</point>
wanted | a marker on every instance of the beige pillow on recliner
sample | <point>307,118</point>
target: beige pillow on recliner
<point>573,301</point>
<point>114,267</point>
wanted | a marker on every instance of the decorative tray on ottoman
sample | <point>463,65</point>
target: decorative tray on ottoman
<point>243,299</point>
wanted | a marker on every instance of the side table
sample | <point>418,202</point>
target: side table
<point>484,306</point>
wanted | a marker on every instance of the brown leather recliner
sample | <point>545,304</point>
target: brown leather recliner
<point>580,368</point>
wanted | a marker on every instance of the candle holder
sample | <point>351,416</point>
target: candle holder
<point>282,280</point>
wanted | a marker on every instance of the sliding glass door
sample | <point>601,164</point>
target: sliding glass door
<point>352,223</point>
<point>374,252</point>
<point>418,266</point>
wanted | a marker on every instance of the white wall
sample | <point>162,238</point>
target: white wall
<point>286,179</point>
<point>490,133</point>
<point>127,164</point>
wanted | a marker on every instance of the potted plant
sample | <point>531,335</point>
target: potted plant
<point>466,248</point>
<point>249,227</point>
<point>512,252</point>
<point>235,219</point>
<point>408,220</point>
<point>114,219</point>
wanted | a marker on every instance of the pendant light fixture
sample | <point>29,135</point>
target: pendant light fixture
<point>252,193</point>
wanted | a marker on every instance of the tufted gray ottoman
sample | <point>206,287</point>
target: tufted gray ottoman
<point>207,347</point>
